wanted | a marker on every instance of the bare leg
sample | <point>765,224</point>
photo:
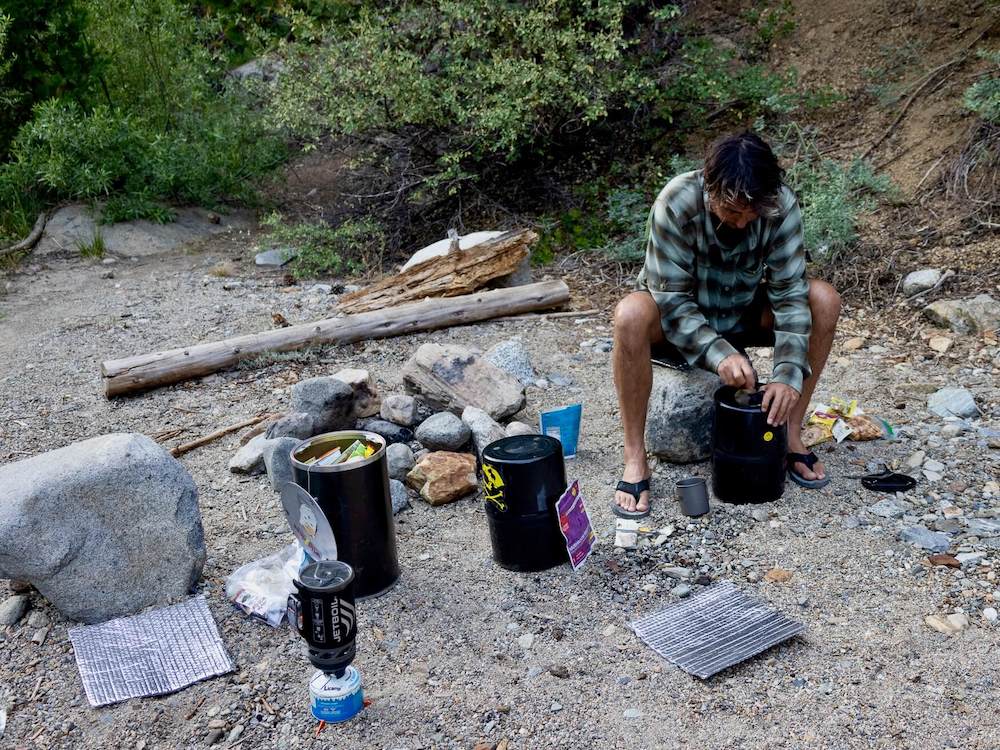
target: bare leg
<point>824,302</point>
<point>637,327</point>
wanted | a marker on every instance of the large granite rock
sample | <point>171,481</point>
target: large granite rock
<point>399,458</point>
<point>444,477</point>
<point>679,422</point>
<point>297,425</point>
<point>278,461</point>
<point>329,401</point>
<point>974,315</point>
<point>103,527</point>
<point>454,377</point>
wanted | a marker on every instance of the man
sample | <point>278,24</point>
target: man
<point>725,269</point>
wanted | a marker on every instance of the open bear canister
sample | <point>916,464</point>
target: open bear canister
<point>347,474</point>
<point>522,478</point>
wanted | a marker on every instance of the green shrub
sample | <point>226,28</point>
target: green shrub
<point>983,97</point>
<point>355,246</point>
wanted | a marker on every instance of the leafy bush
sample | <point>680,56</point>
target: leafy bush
<point>160,124</point>
<point>356,246</point>
<point>983,97</point>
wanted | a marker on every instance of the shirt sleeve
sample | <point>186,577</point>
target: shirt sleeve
<point>669,277</point>
<point>788,292</point>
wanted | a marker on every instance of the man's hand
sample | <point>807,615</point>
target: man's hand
<point>736,370</point>
<point>778,402</point>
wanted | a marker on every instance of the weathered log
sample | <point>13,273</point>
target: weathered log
<point>31,240</point>
<point>145,371</point>
<point>455,273</point>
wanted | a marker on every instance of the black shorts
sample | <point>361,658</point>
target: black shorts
<point>747,332</point>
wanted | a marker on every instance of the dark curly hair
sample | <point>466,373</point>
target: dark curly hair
<point>742,169</point>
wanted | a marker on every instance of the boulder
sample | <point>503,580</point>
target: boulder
<point>400,496</point>
<point>679,422</point>
<point>102,528</point>
<point>454,377</point>
<point>249,459</point>
<point>367,402</point>
<point>973,315</point>
<point>920,281</point>
<point>399,458</point>
<point>297,425</point>
<point>278,461</point>
<point>443,432</point>
<point>401,409</point>
<point>443,477</point>
<point>484,428</point>
<point>329,401</point>
<point>511,357</point>
<point>953,402</point>
<point>393,433</point>
<point>519,428</point>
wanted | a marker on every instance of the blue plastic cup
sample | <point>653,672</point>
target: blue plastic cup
<point>564,425</point>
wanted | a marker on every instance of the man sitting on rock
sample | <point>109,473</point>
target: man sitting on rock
<point>725,269</point>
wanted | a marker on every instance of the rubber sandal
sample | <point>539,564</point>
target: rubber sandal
<point>809,459</point>
<point>888,481</point>
<point>635,489</point>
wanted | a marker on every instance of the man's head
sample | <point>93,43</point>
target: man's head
<point>743,179</point>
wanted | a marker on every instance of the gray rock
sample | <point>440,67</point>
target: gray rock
<point>393,433</point>
<point>681,574</point>
<point>511,357</point>
<point>681,590</point>
<point>400,459</point>
<point>401,409</point>
<point>975,315</point>
<point>679,423</point>
<point>454,377</point>
<point>888,508</point>
<point>953,402</point>
<point>920,281</point>
<point>37,620</point>
<point>484,428</point>
<point>400,496</point>
<point>329,401</point>
<point>443,432</point>
<point>275,258</point>
<point>984,526</point>
<point>103,527</point>
<point>297,425</point>
<point>632,713</point>
<point>249,459</point>
<point>519,428</point>
<point>924,538</point>
<point>278,461</point>
<point>522,275</point>
<point>367,401</point>
<point>12,609</point>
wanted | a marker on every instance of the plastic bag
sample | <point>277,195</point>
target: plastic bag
<point>261,588</point>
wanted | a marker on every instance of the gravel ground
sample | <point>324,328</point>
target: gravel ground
<point>443,655</point>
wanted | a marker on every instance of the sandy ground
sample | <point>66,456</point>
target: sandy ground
<point>439,654</point>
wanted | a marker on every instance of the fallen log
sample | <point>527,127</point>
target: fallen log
<point>145,371</point>
<point>455,273</point>
<point>31,240</point>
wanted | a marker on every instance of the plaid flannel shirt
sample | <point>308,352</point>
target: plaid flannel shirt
<point>702,288</point>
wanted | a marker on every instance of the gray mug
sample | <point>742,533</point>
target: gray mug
<point>693,494</point>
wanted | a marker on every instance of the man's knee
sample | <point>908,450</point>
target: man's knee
<point>635,316</point>
<point>824,302</point>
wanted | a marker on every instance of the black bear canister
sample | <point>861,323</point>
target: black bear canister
<point>522,479</point>
<point>748,454</point>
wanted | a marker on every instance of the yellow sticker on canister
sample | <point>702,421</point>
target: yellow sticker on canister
<point>768,436</point>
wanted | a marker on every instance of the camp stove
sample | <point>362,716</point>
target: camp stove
<point>322,610</point>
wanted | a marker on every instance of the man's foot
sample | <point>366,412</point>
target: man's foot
<point>805,469</point>
<point>633,474</point>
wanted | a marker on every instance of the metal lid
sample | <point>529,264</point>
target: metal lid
<point>308,522</point>
<point>326,574</point>
<point>522,449</point>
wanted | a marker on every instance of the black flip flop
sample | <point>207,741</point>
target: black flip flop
<point>635,489</point>
<point>888,481</point>
<point>810,459</point>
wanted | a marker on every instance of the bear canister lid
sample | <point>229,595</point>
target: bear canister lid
<point>522,449</point>
<point>308,522</point>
